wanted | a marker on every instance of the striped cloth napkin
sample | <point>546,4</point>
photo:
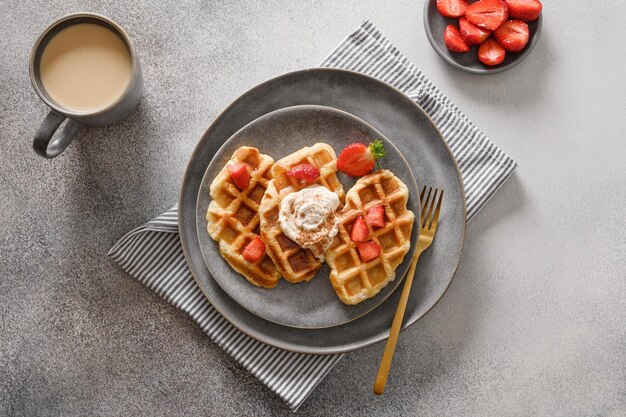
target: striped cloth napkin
<point>152,253</point>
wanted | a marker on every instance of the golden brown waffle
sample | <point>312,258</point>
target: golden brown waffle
<point>233,219</point>
<point>355,280</point>
<point>295,263</point>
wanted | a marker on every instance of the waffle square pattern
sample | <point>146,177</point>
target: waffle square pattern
<point>354,280</point>
<point>233,216</point>
<point>295,263</point>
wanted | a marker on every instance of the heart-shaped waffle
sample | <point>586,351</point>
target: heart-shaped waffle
<point>295,263</point>
<point>353,279</point>
<point>233,216</point>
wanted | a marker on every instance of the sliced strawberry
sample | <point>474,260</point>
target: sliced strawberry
<point>240,174</point>
<point>488,14</point>
<point>304,172</point>
<point>359,230</point>
<point>368,250</point>
<point>376,216</point>
<point>254,250</point>
<point>472,34</point>
<point>491,52</point>
<point>357,159</point>
<point>526,10</point>
<point>512,35</point>
<point>451,8</point>
<point>453,40</point>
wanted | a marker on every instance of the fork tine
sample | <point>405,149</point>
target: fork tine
<point>423,202</point>
<point>429,204</point>
<point>435,218</point>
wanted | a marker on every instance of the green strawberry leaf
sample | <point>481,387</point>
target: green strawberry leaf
<point>377,149</point>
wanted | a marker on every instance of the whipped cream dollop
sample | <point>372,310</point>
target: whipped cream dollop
<point>308,218</point>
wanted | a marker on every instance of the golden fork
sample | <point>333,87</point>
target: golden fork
<point>428,226</point>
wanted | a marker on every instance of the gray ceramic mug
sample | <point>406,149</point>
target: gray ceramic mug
<point>44,144</point>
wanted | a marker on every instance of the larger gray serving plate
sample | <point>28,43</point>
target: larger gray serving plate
<point>413,133</point>
<point>312,304</point>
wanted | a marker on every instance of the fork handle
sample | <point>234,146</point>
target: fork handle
<point>385,363</point>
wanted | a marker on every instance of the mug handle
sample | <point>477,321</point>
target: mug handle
<point>43,143</point>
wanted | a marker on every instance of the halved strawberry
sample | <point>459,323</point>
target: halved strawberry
<point>375,216</point>
<point>359,230</point>
<point>239,173</point>
<point>254,250</point>
<point>512,35</point>
<point>368,250</point>
<point>472,34</point>
<point>526,10</point>
<point>453,40</point>
<point>304,172</point>
<point>357,159</point>
<point>491,52</point>
<point>451,8</point>
<point>488,14</point>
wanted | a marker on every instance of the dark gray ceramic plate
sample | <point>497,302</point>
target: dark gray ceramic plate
<point>312,304</point>
<point>413,133</point>
<point>435,24</point>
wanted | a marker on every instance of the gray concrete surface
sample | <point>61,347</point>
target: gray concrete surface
<point>532,325</point>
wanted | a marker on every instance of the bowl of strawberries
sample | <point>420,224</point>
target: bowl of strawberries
<point>484,36</point>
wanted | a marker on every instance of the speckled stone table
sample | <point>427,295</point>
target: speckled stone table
<point>533,324</point>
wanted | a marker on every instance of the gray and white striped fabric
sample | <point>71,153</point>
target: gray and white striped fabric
<point>152,253</point>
